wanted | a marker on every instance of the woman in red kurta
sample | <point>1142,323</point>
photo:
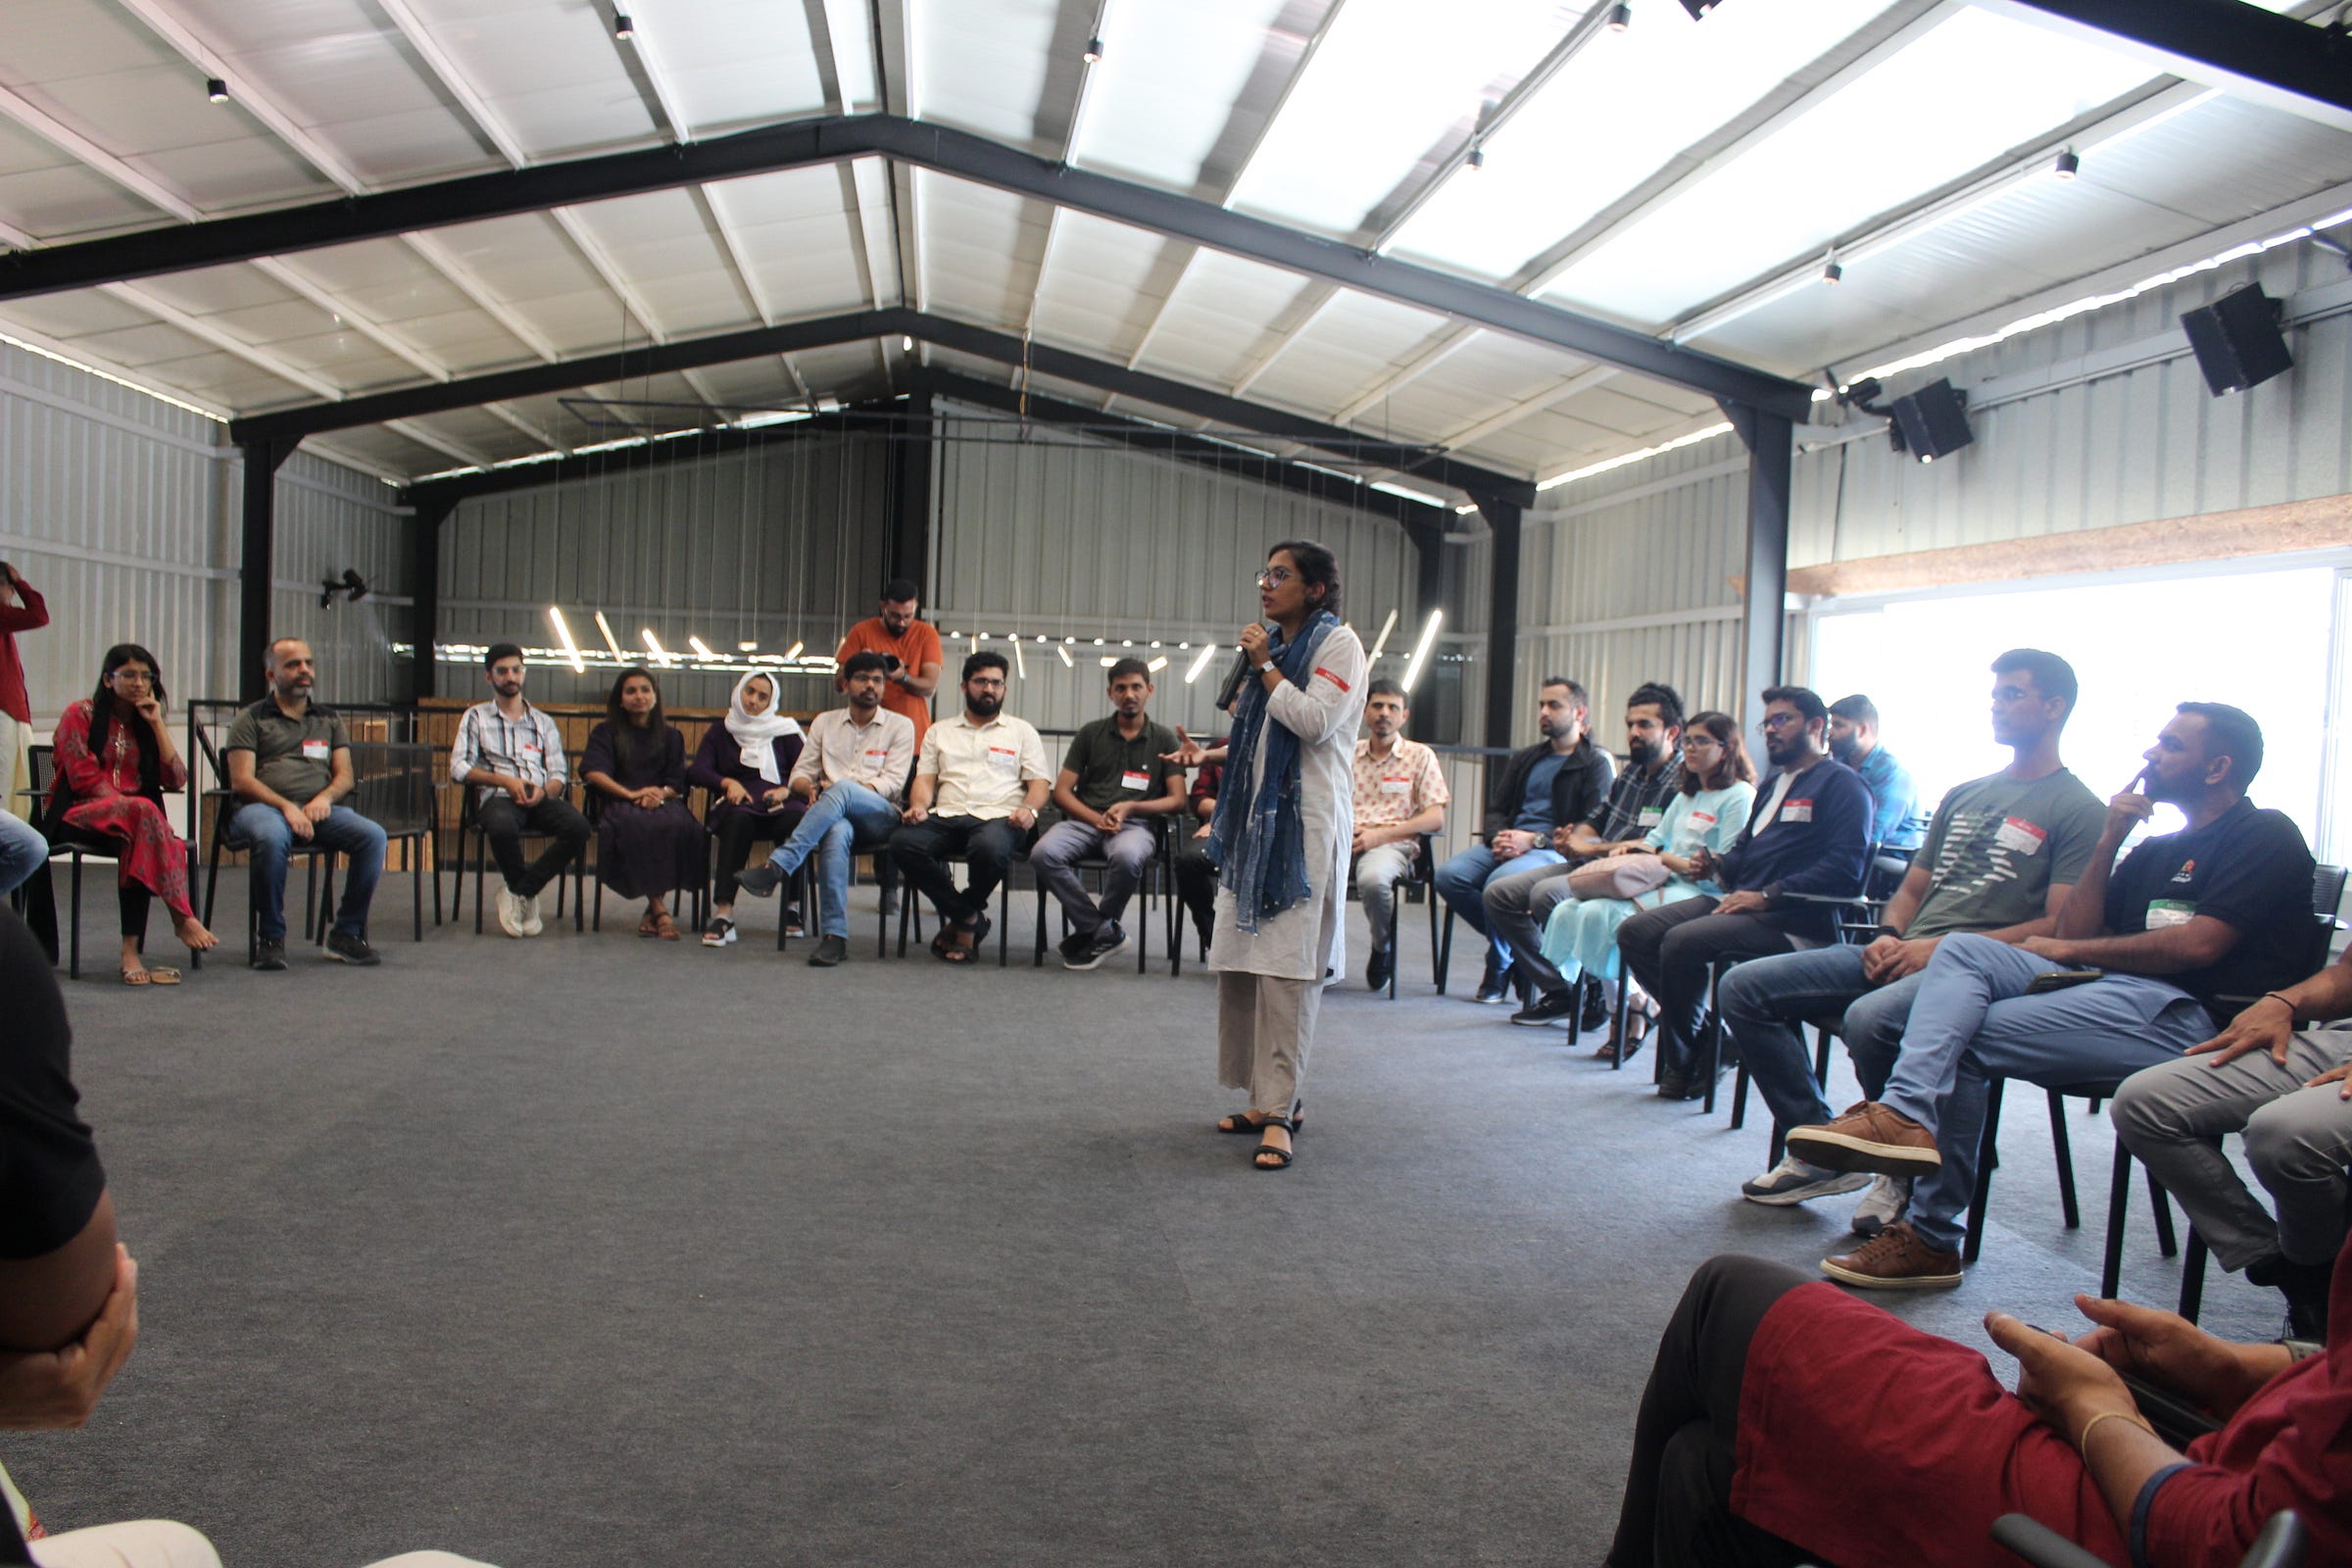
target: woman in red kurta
<point>115,759</point>
<point>1788,1422</point>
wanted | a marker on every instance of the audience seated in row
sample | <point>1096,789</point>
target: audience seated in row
<point>980,782</point>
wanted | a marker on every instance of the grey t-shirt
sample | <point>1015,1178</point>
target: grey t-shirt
<point>1997,847</point>
<point>294,757</point>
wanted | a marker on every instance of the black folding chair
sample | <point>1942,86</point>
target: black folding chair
<point>470,822</point>
<point>1419,881</point>
<point>1158,878</point>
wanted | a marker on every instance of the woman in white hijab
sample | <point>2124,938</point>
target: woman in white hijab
<point>744,762</point>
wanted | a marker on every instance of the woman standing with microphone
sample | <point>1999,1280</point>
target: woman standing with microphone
<point>1280,838</point>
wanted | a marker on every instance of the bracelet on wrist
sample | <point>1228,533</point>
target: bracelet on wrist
<point>2133,1416</point>
<point>1886,930</point>
<point>2293,1013</point>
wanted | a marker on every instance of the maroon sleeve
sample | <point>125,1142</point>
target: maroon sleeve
<point>2291,1447</point>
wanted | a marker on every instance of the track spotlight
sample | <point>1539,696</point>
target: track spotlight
<point>1094,51</point>
<point>1832,272</point>
<point>1698,9</point>
<point>1621,16</point>
<point>351,585</point>
<point>1477,157</point>
<point>622,28</point>
<point>2068,165</point>
<point>905,343</point>
<point>215,89</point>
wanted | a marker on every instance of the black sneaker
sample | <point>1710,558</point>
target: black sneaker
<point>1106,940</point>
<point>1493,986</point>
<point>1376,972</point>
<point>761,880</point>
<point>830,951</point>
<point>1074,944</point>
<point>270,953</point>
<point>1557,1006</point>
<point>1596,1006</point>
<point>349,949</point>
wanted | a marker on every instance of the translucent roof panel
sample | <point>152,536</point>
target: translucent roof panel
<point>1183,89</point>
<point>731,62</point>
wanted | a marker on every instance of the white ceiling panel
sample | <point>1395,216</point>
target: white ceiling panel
<point>1176,82</point>
<point>1218,315</point>
<point>550,74</point>
<point>979,249</point>
<point>212,290</point>
<point>2273,157</point>
<point>986,65</point>
<point>71,316</point>
<point>1354,340</point>
<point>727,64</point>
<point>1100,285</point>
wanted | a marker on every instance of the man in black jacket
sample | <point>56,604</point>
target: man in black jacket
<point>1553,784</point>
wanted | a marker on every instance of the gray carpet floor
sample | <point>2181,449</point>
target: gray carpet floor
<point>597,1251</point>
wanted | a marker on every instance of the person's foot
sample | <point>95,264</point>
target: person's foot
<point>720,932</point>
<point>1595,1013</point>
<point>1552,1007</point>
<point>792,921</point>
<point>1493,986</point>
<point>2305,1287</point>
<point>346,948</point>
<point>1071,946</point>
<point>511,918</point>
<point>1275,1150</point>
<point>1869,1137</point>
<point>1106,940</point>
<point>1678,1086</point>
<point>532,925</point>
<point>1793,1181</point>
<point>830,951</point>
<point>269,955</point>
<point>1377,968</point>
<point>1897,1259</point>
<point>761,880</point>
<point>191,931</point>
<point>1881,1205</point>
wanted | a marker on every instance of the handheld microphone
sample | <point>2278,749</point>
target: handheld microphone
<point>1233,682</point>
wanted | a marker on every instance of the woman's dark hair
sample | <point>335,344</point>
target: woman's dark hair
<point>1318,568</point>
<point>632,747</point>
<point>1732,767</point>
<point>102,714</point>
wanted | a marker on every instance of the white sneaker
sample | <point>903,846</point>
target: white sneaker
<point>532,925</point>
<point>1794,1181</point>
<point>1888,1198</point>
<point>511,915</point>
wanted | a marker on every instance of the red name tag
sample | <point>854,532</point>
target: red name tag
<point>1334,679</point>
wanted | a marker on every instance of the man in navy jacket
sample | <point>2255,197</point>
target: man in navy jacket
<point>1808,834</point>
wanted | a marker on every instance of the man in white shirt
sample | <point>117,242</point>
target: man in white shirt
<point>852,771</point>
<point>1399,795</point>
<point>979,785</point>
<point>513,756</point>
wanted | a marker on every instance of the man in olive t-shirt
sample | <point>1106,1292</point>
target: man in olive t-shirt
<point>1115,775</point>
<point>2001,854</point>
<point>289,761</point>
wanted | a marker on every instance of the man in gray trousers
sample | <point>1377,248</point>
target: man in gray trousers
<point>2287,1086</point>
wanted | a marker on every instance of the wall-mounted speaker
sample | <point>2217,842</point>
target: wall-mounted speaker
<point>2237,340</point>
<point>1932,422</point>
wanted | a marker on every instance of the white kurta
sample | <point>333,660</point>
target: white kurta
<point>1303,939</point>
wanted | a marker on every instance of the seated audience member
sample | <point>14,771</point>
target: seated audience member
<point>851,773</point>
<point>2001,855</point>
<point>68,1290</point>
<point>648,842</point>
<point>1896,820</point>
<point>746,762</point>
<point>1196,878</point>
<point>1708,812</point>
<point>513,756</point>
<point>2285,1089</point>
<point>1787,1422</point>
<point>1808,834</point>
<point>978,784</point>
<point>1552,784</point>
<point>1400,794</point>
<point>22,851</point>
<point>2222,908</point>
<point>1114,775</point>
<point>911,659</point>
<point>289,761</point>
<point>115,759</point>
<point>1519,904</point>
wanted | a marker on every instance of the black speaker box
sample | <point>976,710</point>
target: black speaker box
<point>2237,340</point>
<point>1934,420</point>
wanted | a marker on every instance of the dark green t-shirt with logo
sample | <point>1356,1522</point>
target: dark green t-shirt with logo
<point>1997,847</point>
<point>1111,769</point>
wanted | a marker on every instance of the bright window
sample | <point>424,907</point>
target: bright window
<point>2265,641</point>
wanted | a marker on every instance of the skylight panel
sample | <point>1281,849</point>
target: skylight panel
<point>1170,78</point>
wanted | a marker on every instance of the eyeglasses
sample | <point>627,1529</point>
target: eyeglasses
<point>1274,576</point>
<point>1780,721</point>
<point>1706,743</point>
<point>145,677</point>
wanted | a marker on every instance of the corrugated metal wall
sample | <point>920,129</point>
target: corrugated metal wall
<point>780,544</point>
<point>332,520</point>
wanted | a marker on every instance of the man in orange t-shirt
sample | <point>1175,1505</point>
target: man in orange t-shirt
<point>910,645</point>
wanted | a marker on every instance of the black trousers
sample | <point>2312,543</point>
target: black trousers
<point>921,850</point>
<point>1669,949</point>
<point>1196,887</point>
<point>504,823</point>
<point>1677,1509</point>
<point>737,832</point>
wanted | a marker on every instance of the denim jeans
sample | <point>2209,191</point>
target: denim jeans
<point>265,831</point>
<point>1461,882</point>
<point>22,851</point>
<point>845,815</point>
<point>1765,1001</point>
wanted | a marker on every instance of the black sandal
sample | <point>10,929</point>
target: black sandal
<point>1240,1122</point>
<point>1282,1157</point>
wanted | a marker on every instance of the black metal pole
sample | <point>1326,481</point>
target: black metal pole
<point>1502,619</point>
<point>1771,453</point>
<point>257,559</point>
<point>424,588</point>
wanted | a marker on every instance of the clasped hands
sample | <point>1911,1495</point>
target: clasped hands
<point>2070,1383</point>
<point>304,819</point>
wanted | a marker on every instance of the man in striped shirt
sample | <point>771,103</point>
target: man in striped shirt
<point>512,756</point>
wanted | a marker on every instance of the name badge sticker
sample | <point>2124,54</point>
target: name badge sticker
<point>1796,810</point>
<point>2162,913</point>
<point>2020,837</point>
<point>1005,757</point>
<point>1702,819</point>
<point>314,751</point>
<point>1395,786</point>
<point>1135,781</point>
<point>1652,815</point>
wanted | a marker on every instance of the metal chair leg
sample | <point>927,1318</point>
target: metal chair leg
<point>1988,1158</point>
<point>2119,1211</point>
<point>2165,1241</point>
<point>2066,1161</point>
<point>2192,1277</point>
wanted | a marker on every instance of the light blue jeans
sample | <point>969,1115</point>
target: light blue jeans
<point>21,851</point>
<point>1462,880</point>
<point>264,830</point>
<point>845,815</point>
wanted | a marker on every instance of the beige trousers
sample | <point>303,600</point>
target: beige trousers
<point>1264,1026</point>
<point>162,1543</point>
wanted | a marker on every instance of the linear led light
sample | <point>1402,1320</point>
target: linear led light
<point>1428,635</point>
<point>1679,441</point>
<point>1107,661</point>
<point>1200,660</point>
<point>1020,665</point>
<point>1067,661</point>
<point>701,647</point>
<point>611,641</point>
<point>794,651</point>
<point>571,649</point>
<point>660,654</point>
<point>1158,665</point>
<point>1382,640</point>
<point>748,647</point>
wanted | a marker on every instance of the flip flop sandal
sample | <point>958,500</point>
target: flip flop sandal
<point>666,929</point>
<point>160,975</point>
<point>144,978</point>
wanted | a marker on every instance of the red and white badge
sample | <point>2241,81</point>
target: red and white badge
<point>2020,837</point>
<point>1333,678</point>
<point>314,751</point>
<point>1132,780</point>
<point>1397,786</point>
<point>1797,811</point>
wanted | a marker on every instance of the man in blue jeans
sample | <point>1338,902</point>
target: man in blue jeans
<point>289,761</point>
<point>2001,855</point>
<point>852,772</point>
<point>2222,909</point>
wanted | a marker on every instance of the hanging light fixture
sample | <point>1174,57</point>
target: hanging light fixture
<point>1066,661</point>
<point>1428,635</point>
<point>611,641</point>
<point>2068,165</point>
<point>215,89</point>
<point>622,28</point>
<point>1621,16</point>
<point>571,649</point>
<point>1094,51</point>
<point>1208,651</point>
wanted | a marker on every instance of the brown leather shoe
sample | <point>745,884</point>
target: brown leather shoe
<point>1869,1137</point>
<point>1895,1259</point>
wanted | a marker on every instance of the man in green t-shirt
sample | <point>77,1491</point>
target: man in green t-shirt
<point>289,762</point>
<point>2000,856</point>
<point>1115,774</point>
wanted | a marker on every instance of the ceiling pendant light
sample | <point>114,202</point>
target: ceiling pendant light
<point>1094,51</point>
<point>1476,159</point>
<point>2068,165</point>
<point>1621,16</point>
<point>215,89</point>
<point>622,28</point>
<point>1833,271</point>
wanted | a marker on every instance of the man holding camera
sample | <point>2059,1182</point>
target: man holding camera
<point>910,650</point>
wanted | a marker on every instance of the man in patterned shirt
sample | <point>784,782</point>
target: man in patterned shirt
<point>512,756</point>
<point>2002,855</point>
<point>1399,795</point>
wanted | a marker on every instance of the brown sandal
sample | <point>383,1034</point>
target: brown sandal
<point>665,928</point>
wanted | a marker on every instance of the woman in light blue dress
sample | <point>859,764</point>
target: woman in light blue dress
<point>1718,792</point>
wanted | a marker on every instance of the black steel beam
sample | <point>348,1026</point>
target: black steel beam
<point>1771,454</point>
<point>2244,50</point>
<point>956,153</point>
<point>1502,622</point>
<point>1420,520</point>
<point>1005,348</point>
<point>256,560</point>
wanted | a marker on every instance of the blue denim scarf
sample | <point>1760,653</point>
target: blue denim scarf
<point>1257,840</point>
